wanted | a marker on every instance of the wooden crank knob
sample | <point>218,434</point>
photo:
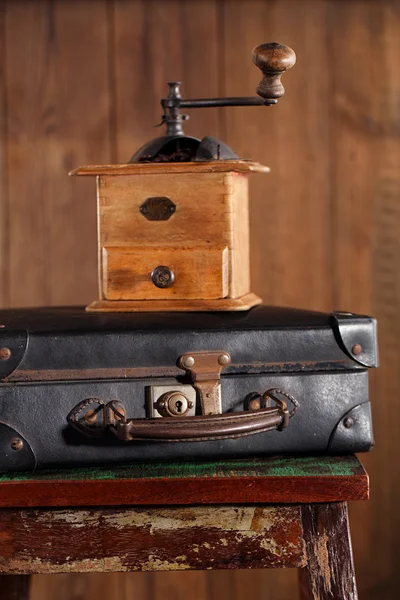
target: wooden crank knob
<point>273,60</point>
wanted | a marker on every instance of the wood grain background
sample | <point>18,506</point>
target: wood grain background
<point>80,83</point>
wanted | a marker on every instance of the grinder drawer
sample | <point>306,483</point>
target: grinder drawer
<point>148,273</point>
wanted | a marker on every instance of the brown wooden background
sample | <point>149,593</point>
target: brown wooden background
<point>80,83</point>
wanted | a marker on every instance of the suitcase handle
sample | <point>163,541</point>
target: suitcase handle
<point>203,428</point>
<point>187,429</point>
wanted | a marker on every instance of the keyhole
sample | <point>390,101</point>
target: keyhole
<point>174,404</point>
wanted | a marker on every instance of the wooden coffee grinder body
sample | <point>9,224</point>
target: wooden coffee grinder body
<point>174,236</point>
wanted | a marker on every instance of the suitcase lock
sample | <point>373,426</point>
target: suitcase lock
<point>204,370</point>
<point>174,404</point>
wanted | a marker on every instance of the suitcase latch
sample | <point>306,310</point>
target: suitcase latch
<point>204,369</point>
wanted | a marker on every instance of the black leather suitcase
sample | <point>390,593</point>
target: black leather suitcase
<point>81,388</point>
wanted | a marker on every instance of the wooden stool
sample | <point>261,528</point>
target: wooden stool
<point>242,514</point>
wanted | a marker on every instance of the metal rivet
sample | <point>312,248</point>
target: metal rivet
<point>255,404</point>
<point>17,444</point>
<point>90,417</point>
<point>224,359</point>
<point>188,361</point>
<point>348,422</point>
<point>356,349</point>
<point>208,395</point>
<point>191,404</point>
<point>5,353</point>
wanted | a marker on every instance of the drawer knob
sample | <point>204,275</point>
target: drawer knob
<point>163,277</point>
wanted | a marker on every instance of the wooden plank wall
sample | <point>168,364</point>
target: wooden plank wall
<point>80,83</point>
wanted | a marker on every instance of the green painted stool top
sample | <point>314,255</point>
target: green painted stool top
<point>284,480</point>
<point>316,466</point>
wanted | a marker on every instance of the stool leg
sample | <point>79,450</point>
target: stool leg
<point>329,574</point>
<point>14,587</point>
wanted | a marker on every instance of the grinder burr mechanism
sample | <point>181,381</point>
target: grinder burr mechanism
<point>173,225</point>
